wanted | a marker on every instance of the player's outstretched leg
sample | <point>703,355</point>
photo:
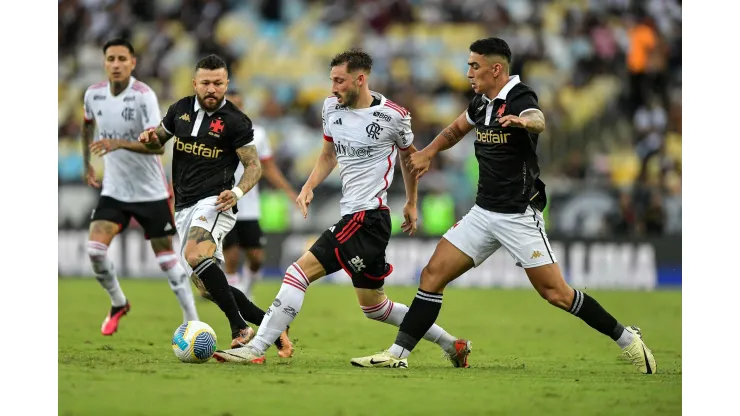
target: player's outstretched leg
<point>550,284</point>
<point>176,276</point>
<point>280,314</point>
<point>101,235</point>
<point>447,263</point>
<point>377,306</point>
<point>199,250</point>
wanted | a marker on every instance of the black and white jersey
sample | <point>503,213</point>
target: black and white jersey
<point>204,153</point>
<point>508,179</point>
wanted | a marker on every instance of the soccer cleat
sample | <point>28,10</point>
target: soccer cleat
<point>285,346</point>
<point>459,358</point>
<point>382,359</point>
<point>110,323</point>
<point>239,355</point>
<point>245,335</point>
<point>639,354</point>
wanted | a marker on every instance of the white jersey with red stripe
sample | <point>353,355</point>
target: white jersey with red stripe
<point>248,206</point>
<point>128,176</point>
<point>366,142</point>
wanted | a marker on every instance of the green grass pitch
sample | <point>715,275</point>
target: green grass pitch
<point>528,358</point>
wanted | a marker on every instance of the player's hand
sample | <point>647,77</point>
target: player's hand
<point>409,218</point>
<point>149,136</point>
<point>225,201</point>
<point>303,200</point>
<point>512,121</point>
<point>419,162</point>
<point>89,177</point>
<point>104,146</point>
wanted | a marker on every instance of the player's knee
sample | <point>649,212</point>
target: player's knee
<point>431,278</point>
<point>556,297</point>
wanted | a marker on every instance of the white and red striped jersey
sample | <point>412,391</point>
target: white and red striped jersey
<point>128,176</point>
<point>366,142</point>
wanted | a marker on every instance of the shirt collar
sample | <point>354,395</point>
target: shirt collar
<point>513,80</point>
<point>196,106</point>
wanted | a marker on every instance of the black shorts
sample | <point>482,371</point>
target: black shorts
<point>357,244</point>
<point>246,233</point>
<point>155,216</point>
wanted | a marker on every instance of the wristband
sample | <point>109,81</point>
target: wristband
<point>238,192</point>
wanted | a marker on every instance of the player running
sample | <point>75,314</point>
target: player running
<point>134,183</point>
<point>507,212</point>
<point>363,132</point>
<point>212,137</point>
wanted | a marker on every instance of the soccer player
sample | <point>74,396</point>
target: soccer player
<point>212,137</point>
<point>247,233</point>
<point>363,132</point>
<point>134,183</point>
<point>507,212</point>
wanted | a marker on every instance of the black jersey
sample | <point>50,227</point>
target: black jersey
<point>508,179</point>
<point>204,153</point>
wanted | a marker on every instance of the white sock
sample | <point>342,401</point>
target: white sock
<point>105,273</point>
<point>392,313</point>
<point>398,351</point>
<point>179,283</point>
<point>283,310</point>
<point>248,281</point>
<point>625,339</point>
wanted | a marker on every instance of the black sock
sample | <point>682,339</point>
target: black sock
<point>214,280</point>
<point>420,317</point>
<point>251,312</point>
<point>588,309</point>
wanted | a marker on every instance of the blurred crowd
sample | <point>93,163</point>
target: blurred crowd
<point>607,72</point>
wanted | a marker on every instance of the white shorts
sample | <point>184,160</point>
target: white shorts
<point>481,232</point>
<point>204,215</point>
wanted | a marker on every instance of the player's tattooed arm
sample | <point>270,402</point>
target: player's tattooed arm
<point>88,131</point>
<point>451,135</point>
<point>534,121</point>
<point>252,167</point>
<point>156,138</point>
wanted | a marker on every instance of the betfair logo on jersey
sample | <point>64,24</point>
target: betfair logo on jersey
<point>197,149</point>
<point>348,150</point>
<point>492,137</point>
<point>185,117</point>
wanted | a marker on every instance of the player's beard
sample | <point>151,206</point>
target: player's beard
<point>350,98</point>
<point>209,108</point>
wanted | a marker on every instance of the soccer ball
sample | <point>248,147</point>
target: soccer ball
<point>194,342</point>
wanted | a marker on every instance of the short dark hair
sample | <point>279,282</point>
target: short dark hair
<point>118,42</point>
<point>211,62</point>
<point>492,46</point>
<point>355,59</point>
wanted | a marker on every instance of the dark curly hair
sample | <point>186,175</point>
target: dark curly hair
<point>355,59</point>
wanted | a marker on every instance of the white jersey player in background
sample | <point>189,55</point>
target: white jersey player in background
<point>247,233</point>
<point>363,133</point>
<point>134,182</point>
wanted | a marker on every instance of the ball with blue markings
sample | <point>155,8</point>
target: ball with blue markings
<point>194,342</point>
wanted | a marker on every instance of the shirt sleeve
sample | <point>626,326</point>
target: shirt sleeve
<point>89,114</point>
<point>262,143</point>
<point>470,113</point>
<point>404,137</point>
<point>168,122</point>
<point>149,107</point>
<point>327,133</point>
<point>244,133</point>
<point>524,103</point>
